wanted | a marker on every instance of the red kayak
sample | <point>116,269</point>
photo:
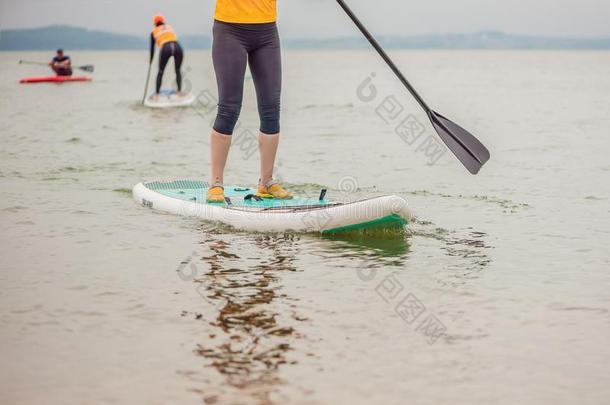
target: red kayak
<point>55,79</point>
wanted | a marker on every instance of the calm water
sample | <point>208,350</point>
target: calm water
<point>498,293</point>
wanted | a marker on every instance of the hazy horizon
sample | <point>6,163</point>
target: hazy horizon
<point>324,19</point>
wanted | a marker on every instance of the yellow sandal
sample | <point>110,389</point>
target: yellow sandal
<point>273,190</point>
<point>216,194</point>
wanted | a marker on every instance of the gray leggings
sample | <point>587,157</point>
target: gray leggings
<point>235,46</point>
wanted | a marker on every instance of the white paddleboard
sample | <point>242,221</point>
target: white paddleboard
<point>170,99</point>
<point>243,211</point>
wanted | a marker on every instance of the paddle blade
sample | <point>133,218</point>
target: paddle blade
<point>468,149</point>
<point>87,68</point>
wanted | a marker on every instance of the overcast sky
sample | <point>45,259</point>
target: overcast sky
<point>323,18</point>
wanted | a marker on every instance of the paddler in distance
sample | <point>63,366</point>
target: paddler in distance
<point>164,37</point>
<point>245,31</point>
<point>61,64</point>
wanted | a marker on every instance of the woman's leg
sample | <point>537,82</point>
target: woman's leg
<point>266,67</point>
<point>164,56</point>
<point>267,145</point>
<point>178,57</point>
<point>230,59</point>
<point>219,149</point>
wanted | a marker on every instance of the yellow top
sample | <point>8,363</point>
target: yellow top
<point>164,34</point>
<point>246,11</point>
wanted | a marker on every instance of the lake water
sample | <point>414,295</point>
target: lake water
<point>498,292</point>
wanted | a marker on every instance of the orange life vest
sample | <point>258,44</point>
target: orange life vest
<point>246,11</point>
<point>164,34</point>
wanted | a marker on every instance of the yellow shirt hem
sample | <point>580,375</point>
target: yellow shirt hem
<point>244,20</point>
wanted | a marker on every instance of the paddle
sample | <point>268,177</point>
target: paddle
<point>147,81</point>
<point>468,149</point>
<point>86,68</point>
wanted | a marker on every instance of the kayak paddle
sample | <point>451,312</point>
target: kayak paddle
<point>468,149</point>
<point>86,68</point>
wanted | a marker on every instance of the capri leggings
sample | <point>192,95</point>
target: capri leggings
<point>235,46</point>
<point>170,49</point>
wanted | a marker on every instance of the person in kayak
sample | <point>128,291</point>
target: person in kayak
<point>164,36</point>
<point>245,31</point>
<point>61,64</point>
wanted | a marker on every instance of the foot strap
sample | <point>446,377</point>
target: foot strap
<point>251,197</point>
<point>322,194</point>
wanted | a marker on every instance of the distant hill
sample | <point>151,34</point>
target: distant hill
<point>479,40</point>
<point>74,38</point>
<point>49,38</point>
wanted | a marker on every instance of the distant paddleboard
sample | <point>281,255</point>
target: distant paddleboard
<point>169,99</point>
<point>244,211</point>
<point>55,79</point>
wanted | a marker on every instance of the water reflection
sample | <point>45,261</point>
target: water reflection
<point>255,324</point>
<point>384,244</point>
<point>253,339</point>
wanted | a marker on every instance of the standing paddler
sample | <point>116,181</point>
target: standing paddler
<point>164,37</point>
<point>245,32</point>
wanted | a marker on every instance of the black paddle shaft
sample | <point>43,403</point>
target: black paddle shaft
<point>468,149</point>
<point>383,54</point>
<point>86,68</point>
<point>147,81</point>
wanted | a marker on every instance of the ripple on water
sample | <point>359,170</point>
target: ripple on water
<point>15,209</point>
<point>595,198</point>
<point>124,191</point>
<point>506,204</point>
<point>466,247</point>
<point>597,310</point>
